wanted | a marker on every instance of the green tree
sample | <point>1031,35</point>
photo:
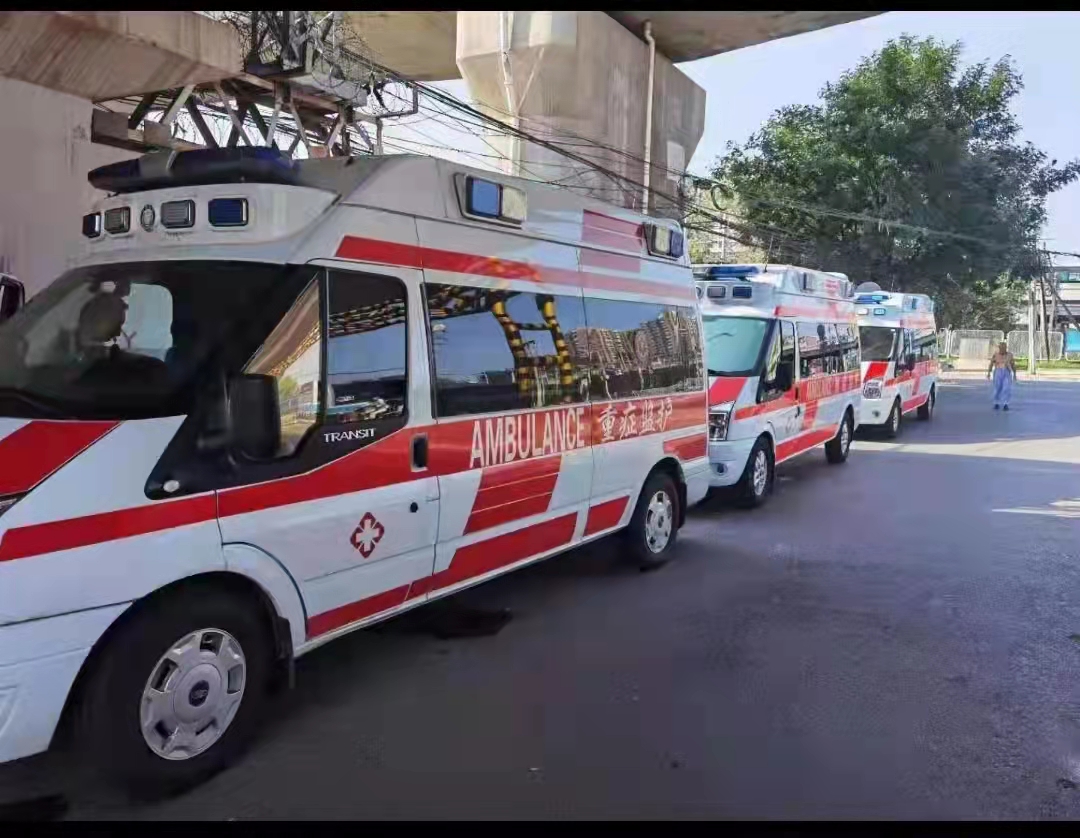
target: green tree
<point>287,388</point>
<point>908,137</point>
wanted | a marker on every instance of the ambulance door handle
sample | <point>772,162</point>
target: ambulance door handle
<point>420,452</point>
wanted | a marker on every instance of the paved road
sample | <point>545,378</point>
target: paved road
<point>895,638</point>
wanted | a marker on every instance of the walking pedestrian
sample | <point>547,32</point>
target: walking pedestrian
<point>1003,370</point>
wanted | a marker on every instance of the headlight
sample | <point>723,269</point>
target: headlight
<point>872,389</point>
<point>718,423</point>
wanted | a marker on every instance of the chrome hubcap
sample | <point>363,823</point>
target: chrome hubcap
<point>658,522</point>
<point>193,694</point>
<point>895,418</point>
<point>761,473</point>
<point>845,436</point>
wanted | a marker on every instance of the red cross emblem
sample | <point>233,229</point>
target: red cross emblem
<point>367,534</point>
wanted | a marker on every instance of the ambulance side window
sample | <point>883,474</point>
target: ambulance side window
<point>832,357</point>
<point>909,352</point>
<point>848,337</point>
<point>811,350</point>
<point>926,345</point>
<point>640,349</point>
<point>366,348</point>
<point>781,354</point>
<point>497,350</point>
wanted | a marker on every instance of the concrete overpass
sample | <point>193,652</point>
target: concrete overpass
<point>85,88</point>
<point>680,35</point>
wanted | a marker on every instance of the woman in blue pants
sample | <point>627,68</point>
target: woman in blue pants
<point>1003,369</point>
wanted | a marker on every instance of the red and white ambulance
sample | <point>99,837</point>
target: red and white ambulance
<point>782,356</point>
<point>274,402</point>
<point>898,336</point>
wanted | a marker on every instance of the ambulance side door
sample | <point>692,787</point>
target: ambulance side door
<point>782,368</point>
<point>512,422</point>
<point>347,505</point>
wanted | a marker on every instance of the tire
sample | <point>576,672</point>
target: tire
<point>654,521</point>
<point>892,424</point>
<point>926,411</point>
<point>216,625</point>
<point>838,448</point>
<point>754,487</point>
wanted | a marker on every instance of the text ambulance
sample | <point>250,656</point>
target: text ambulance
<point>782,355</point>
<point>275,402</point>
<point>899,356</point>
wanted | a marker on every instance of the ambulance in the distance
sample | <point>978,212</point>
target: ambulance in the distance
<point>275,401</point>
<point>782,356</point>
<point>899,356</point>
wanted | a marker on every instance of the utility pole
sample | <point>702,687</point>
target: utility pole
<point>1043,307</point>
<point>1031,327</point>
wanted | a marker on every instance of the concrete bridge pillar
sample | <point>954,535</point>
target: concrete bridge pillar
<point>580,79</point>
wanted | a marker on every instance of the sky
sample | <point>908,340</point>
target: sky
<point>745,86</point>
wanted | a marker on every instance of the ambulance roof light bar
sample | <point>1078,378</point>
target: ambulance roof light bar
<point>726,271</point>
<point>246,164</point>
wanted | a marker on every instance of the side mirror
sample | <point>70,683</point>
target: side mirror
<point>12,296</point>
<point>785,376</point>
<point>254,416</point>
<point>910,363</point>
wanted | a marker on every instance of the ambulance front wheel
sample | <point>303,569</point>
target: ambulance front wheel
<point>926,410</point>
<point>892,424</point>
<point>756,483</point>
<point>655,522</point>
<point>837,448</point>
<point>178,692</point>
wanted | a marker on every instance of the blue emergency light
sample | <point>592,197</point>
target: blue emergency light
<point>488,199</point>
<point>871,298</point>
<point>158,170</point>
<point>727,271</point>
<point>880,312</point>
<point>227,212</point>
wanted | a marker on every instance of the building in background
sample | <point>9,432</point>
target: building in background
<point>43,188</point>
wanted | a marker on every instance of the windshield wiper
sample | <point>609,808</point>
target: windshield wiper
<point>34,402</point>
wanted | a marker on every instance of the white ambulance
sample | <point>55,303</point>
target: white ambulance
<point>274,402</point>
<point>782,356</point>
<point>899,356</point>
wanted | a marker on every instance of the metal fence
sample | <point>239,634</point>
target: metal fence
<point>1018,345</point>
<point>972,348</point>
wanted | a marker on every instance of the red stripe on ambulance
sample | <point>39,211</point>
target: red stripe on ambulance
<point>605,515</point>
<point>518,490</point>
<point>687,447</point>
<point>37,449</point>
<point>414,256</point>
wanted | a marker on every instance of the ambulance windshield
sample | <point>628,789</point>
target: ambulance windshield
<point>878,342</point>
<point>733,344</point>
<point>132,340</point>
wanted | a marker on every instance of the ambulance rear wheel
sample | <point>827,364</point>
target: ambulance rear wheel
<point>756,483</point>
<point>837,448</point>
<point>178,692</point>
<point>655,523</point>
<point>926,411</point>
<point>892,424</point>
